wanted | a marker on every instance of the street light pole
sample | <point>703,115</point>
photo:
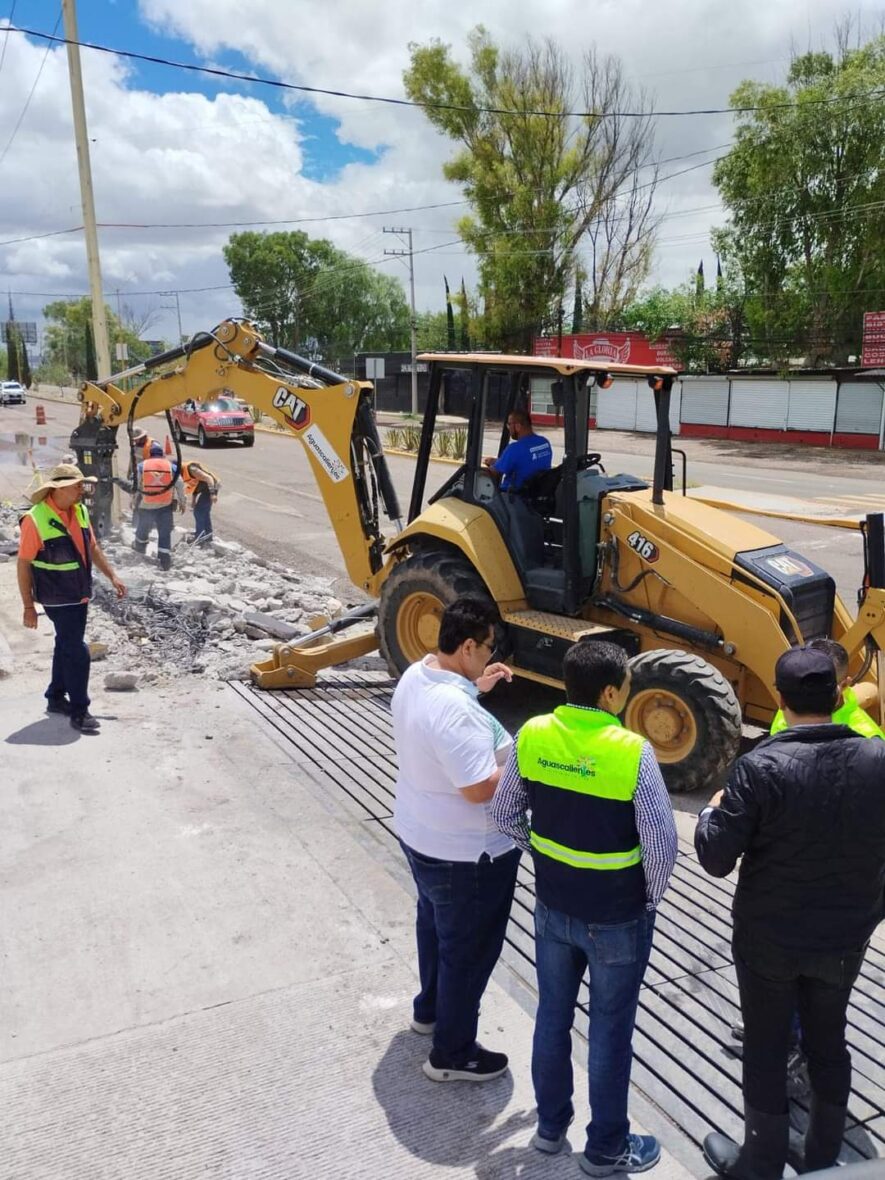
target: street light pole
<point>414,320</point>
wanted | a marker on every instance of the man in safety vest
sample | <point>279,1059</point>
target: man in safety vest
<point>202,485</point>
<point>850,711</point>
<point>603,840</point>
<point>56,554</point>
<point>160,489</point>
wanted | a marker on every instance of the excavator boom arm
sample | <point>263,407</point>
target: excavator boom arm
<point>330,415</point>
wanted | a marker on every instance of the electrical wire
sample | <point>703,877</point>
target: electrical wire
<point>256,79</point>
<point>30,93</point>
<point>6,38</point>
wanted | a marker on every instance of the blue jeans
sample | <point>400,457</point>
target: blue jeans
<point>463,907</point>
<point>617,957</point>
<point>203,517</point>
<point>163,519</point>
<point>70,657</point>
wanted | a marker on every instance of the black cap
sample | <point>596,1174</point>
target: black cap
<point>803,671</point>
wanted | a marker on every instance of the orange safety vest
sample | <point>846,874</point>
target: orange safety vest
<point>191,481</point>
<point>156,482</point>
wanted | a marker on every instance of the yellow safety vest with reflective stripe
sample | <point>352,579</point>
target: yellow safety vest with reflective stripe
<point>850,713</point>
<point>582,767</point>
<point>59,573</point>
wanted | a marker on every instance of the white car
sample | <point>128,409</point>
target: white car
<point>12,393</point>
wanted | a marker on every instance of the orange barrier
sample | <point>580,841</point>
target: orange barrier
<point>41,416</point>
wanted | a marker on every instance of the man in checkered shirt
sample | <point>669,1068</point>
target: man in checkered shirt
<point>585,796</point>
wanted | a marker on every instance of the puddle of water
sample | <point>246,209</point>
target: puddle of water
<point>27,450</point>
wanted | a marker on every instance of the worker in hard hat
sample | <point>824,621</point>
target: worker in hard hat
<point>160,490</point>
<point>202,485</point>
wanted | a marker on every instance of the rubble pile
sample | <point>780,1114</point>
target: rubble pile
<point>218,610</point>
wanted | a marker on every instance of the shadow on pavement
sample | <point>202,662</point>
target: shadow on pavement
<point>453,1124</point>
<point>49,731</point>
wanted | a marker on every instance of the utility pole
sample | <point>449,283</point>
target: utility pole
<point>414,321</point>
<point>81,137</point>
<point>175,295</point>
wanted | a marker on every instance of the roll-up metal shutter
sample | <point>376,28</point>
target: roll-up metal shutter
<point>812,404</point>
<point>616,407</point>
<point>859,408</point>
<point>705,400</point>
<point>759,403</point>
<point>646,415</point>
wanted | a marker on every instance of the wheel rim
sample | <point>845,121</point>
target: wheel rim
<point>666,720</point>
<point>417,624</point>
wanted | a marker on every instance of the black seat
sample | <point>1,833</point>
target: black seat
<point>541,488</point>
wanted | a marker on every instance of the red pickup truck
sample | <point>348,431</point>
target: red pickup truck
<point>222,418</point>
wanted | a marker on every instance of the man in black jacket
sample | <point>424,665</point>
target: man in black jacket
<point>806,811</point>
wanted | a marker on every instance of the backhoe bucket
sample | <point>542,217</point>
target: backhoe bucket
<point>295,664</point>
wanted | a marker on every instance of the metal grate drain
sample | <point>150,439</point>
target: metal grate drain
<point>684,1064</point>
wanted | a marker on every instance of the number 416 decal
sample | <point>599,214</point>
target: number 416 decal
<point>646,549</point>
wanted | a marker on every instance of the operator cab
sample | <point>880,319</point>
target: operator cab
<point>550,525</point>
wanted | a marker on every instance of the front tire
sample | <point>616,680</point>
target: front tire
<point>413,598</point>
<point>201,438</point>
<point>249,440</point>
<point>179,433</point>
<point>690,714</point>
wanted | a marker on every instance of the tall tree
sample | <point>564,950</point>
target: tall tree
<point>307,295</point>
<point>464,319</point>
<point>450,319</point>
<point>432,331</point>
<point>13,352</point>
<point>805,191</point>
<point>25,368</point>
<point>578,307</point>
<point>537,177</point>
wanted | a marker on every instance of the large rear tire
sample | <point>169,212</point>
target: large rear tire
<point>413,598</point>
<point>690,714</point>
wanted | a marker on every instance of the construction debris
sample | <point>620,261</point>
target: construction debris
<point>216,612</point>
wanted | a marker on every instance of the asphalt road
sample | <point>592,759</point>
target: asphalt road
<point>270,502</point>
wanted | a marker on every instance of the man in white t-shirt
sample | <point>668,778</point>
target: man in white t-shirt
<point>450,753</point>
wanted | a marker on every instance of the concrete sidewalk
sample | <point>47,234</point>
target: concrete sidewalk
<point>835,511</point>
<point>208,964</point>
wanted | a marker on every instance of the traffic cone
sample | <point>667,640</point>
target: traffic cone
<point>168,448</point>
<point>41,416</point>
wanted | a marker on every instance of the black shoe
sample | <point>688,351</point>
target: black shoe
<point>482,1067</point>
<point>761,1156</point>
<point>58,705</point>
<point>85,722</point>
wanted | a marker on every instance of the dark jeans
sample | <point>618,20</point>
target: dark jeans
<point>203,517</point>
<point>70,657</point>
<point>463,907</point>
<point>162,519</point>
<point>774,984</point>
<point>617,956</point>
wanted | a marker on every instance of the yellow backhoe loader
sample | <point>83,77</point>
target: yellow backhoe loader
<point>703,602</point>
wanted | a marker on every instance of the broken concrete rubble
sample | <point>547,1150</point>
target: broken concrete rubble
<point>213,613</point>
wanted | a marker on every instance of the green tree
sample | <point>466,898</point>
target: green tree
<point>309,296</point>
<point>25,368</point>
<point>433,332</point>
<point>13,352</point>
<point>707,330</point>
<point>805,191</point>
<point>537,184</point>
<point>65,337</point>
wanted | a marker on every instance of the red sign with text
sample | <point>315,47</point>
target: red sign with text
<point>873,354</point>
<point>623,348</point>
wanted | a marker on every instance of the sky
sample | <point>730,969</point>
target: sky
<point>180,159</point>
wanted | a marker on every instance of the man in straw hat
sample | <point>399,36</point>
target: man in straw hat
<point>56,554</point>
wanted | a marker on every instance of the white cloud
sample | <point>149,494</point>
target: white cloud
<point>180,157</point>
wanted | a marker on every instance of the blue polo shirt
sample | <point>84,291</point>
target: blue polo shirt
<point>523,458</point>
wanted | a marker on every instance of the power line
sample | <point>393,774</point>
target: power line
<point>6,38</point>
<point>257,79</point>
<point>30,94</point>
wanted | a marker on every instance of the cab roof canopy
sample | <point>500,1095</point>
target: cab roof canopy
<point>563,365</point>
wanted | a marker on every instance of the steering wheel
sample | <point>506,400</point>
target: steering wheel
<point>594,459</point>
<point>451,483</point>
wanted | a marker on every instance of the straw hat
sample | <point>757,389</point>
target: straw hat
<point>61,476</point>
